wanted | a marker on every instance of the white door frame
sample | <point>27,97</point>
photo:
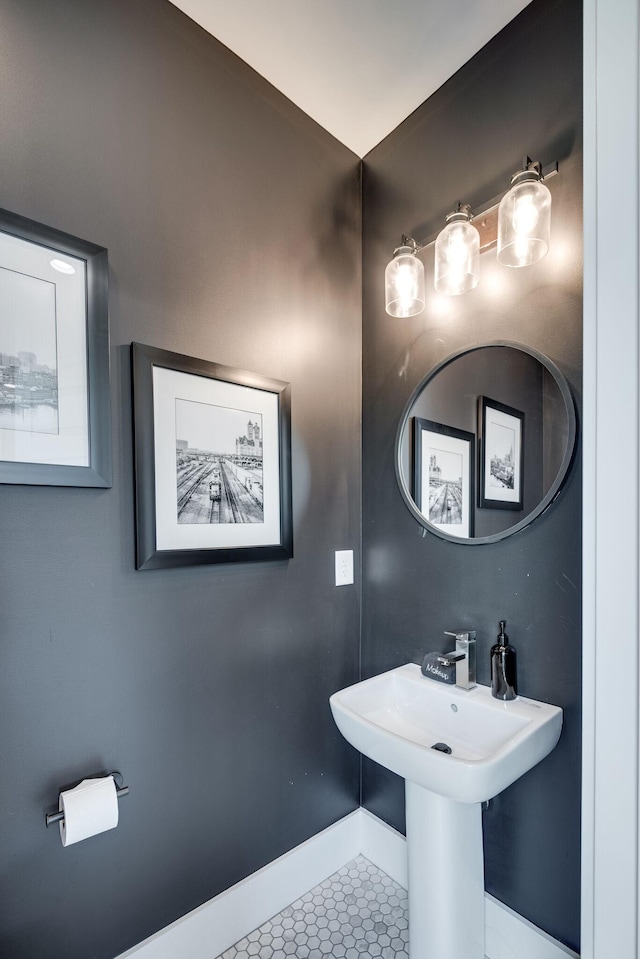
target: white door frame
<point>611,681</point>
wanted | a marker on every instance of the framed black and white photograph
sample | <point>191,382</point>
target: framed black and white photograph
<point>212,462</point>
<point>55,417</point>
<point>501,440</point>
<point>443,476</point>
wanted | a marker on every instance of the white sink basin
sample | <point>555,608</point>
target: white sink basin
<point>396,718</point>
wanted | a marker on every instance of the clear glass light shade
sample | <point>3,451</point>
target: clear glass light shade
<point>457,257</point>
<point>524,224</point>
<point>404,283</point>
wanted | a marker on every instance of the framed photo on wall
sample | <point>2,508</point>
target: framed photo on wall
<point>212,462</point>
<point>55,414</point>
<point>443,476</point>
<point>501,461</point>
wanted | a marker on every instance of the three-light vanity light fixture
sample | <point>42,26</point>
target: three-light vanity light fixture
<point>523,229</point>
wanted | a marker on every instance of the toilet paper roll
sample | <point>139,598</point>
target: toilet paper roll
<point>89,808</point>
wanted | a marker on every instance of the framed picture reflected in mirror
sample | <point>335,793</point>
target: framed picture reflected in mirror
<point>443,476</point>
<point>501,460</point>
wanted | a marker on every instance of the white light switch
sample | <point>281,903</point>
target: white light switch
<point>344,567</point>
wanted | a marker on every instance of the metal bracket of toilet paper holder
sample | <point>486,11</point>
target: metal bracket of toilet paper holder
<point>58,816</point>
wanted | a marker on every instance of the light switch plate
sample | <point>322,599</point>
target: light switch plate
<point>344,567</point>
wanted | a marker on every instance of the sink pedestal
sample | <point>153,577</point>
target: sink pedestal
<point>446,876</point>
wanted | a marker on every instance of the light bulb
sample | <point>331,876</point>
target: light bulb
<point>406,285</point>
<point>455,250</point>
<point>525,215</point>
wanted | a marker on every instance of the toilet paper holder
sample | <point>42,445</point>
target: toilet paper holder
<point>121,790</point>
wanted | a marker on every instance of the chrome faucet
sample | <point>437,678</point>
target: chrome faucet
<point>464,656</point>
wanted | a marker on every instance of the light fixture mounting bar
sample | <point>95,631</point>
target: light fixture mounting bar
<point>485,218</point>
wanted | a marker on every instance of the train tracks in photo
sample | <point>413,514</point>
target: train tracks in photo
<point>219,492</point>
<point>446,504</point>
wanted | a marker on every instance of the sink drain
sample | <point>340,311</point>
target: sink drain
<point>442,748</point>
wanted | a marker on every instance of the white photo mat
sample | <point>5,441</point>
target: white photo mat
<point>172,385</point>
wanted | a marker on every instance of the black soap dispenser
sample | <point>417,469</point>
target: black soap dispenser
<point>503,667</point>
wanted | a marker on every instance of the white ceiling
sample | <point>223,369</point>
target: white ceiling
<point>358,67</point>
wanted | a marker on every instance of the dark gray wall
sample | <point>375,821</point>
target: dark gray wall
<point>520,94</point>
<point>232,223</point>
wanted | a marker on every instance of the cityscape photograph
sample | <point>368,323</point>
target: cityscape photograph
<point>503,441</point>
<point>28,359</point>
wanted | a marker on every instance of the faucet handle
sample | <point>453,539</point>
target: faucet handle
<point>448,659</point>
<point>461,634</point>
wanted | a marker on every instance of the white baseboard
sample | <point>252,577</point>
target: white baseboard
<point>219,923</point>
<point>508,935</point>
<point>384,846</point>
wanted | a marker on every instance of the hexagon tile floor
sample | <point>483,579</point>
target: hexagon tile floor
<point>356,913</point>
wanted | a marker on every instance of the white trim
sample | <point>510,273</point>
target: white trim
<point>384,847</point>
<point>508,934</point>
<point>589,484</point>
<point>611,385</point>
<point>219,923</point>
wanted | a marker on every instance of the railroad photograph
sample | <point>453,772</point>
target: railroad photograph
<point>445,487</point>
<point>28,354</point>
<point>218,464</point>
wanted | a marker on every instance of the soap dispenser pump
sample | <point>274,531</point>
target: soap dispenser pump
<point>503,667</point>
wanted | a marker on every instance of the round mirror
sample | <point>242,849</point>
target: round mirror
<point>485,442</point>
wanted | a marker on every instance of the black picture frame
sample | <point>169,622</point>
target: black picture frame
<point>53,301</point>
<point>215,493</point>
<point>444,476</point>
<point>501,455</point>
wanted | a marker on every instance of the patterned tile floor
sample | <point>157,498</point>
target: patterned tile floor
<point>356,913</point>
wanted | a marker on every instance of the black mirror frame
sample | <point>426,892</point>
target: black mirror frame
<point>565,465</point>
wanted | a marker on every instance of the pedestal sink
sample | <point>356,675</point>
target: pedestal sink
<point>482,745</point>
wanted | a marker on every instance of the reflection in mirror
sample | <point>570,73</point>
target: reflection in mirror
<point>485,442</point>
